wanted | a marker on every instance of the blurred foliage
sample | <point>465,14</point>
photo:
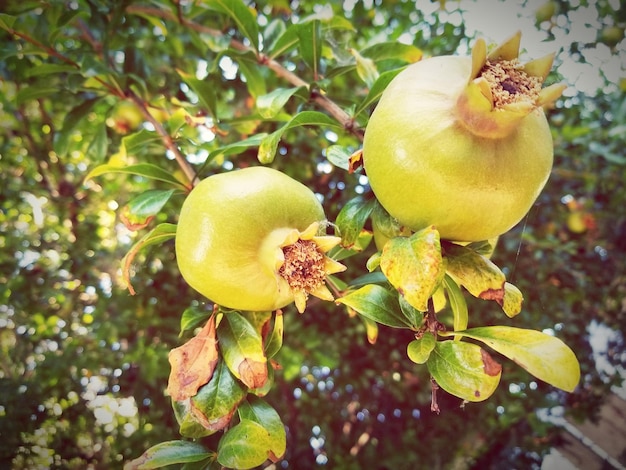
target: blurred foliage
<point>84,365</point>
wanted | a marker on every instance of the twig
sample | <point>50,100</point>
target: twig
<point>322,101</point>
<point>169,143</point>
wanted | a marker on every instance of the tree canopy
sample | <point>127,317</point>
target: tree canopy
<point>110,112</point>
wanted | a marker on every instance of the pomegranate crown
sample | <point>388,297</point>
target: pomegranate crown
<point>501,91</point>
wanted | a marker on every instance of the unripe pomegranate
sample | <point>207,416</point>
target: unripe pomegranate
<point>252,240</point>
<point>462,143</point>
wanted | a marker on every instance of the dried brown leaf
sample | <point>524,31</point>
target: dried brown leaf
<point>193,363</point>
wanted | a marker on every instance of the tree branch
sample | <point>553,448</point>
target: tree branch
<point>322,101</point>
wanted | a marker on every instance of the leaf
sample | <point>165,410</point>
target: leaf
<point>339,253</point>
<point>7,22</point>
<point>365,68</point>
<point>457,304</point>
<point>72,119</point>
<point>169,453</point>
<point>286,41</point>
<point>193,363</point>
<point>159,234</point>
<point>241,346</point>
<point>269,145</point>
<point>242,15</point>
<point>259,411</point>
<point>212,408</point>
<point>275,340</point>
<point>414,316</point>
<point>339,156</point>
<point>310,45</point>
<point>146,170</point>
<point>464,370</point>
<point>31,93</point>
<point>419,349</point>
<point>137,142</point>
<point>254,78</point>
<point>244,446</point>
<point>99,145</point>
<point>480,276</point>
<point>414,266</point>
<point>149,202</point>
<point>542,355</point>
<point>204,90</point>
<point>512,302</point>
<point>49,69</point>
<point>393,51</point>
<point>351,219</point>
<point>271,104</point>
<point>237,147</point>
<point>376,90</point>
<point>191,318</point>
<point>371,329</point>
<point>377,304</point>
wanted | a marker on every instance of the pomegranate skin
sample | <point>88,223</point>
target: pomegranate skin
<point>437,155</point>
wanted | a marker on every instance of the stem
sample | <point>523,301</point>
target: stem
<point>190,174</point>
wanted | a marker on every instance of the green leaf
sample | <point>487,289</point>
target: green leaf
<point>137,142</point>
<point>414,316</point>
<point>286,41</point>
<point>259,411</point>
<point>254,78</point>
<point>339,253</point>
<point>370,278</point>
<point>212,408</point>
<point>310,45</point>
<point>393,51</point>
<point>204,89</point>
<point>99,145</point>
<point>159,234</point>
<point>542,355</point>
<point>72,119</point>
<point>241,346</point>
<point>269,145</point>
<point>271,104</point>
<point>275,340</point>
<point>419,349</point>
<point>237,147</point>
<point>244,446</point>
<point>513,300</point>
<point>414,266</point>
<point>339,156</point>
<point>242,15</point>
<point>464,370</point>
<point>377,304</point>
<point>457,304</point>
<point>351,219</point>
<point>376,90</point>
<point>149,202</point>
<point>480,276</point>
<point>365,68</point>
<point>147,170</point>
<point>193,317</point>
<point>7,21</point>
<point>386,227</point>
<point>31,93</point>
<point>170,453</point>
<point>48,69</point>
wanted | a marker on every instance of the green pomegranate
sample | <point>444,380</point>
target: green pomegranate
<point>462,143</point>
<point>252,239</point>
